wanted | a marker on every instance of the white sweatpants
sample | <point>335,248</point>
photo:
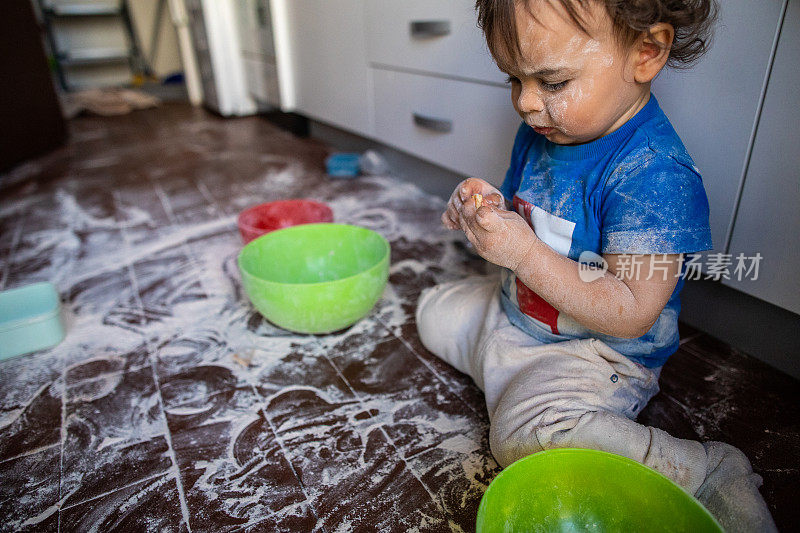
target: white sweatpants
<point>578,393</point>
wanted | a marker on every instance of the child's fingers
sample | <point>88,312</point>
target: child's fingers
<point>489,219</point>
<point>470,235</point>
<point>454,222</point>
<point>450,219</point>
<point>469,187</point>
<point>494,199</point>
<point>446,222</point>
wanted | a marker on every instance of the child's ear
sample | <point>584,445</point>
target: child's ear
<point>652,52</point>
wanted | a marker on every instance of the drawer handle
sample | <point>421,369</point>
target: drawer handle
<point>434,124</point>
<point>423,29</point>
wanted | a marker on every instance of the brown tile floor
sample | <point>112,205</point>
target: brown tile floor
<point>147,416</point>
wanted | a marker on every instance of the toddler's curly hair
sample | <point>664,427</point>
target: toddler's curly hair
<point>691,19</point>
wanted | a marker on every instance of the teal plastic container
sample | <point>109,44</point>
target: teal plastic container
<point>30,319</point>
<point>588,490</point>
<point>315,278</point>
<point>343,165</point>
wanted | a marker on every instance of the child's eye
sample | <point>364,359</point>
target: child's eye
<point>552,87</point>
<point>512,79</point>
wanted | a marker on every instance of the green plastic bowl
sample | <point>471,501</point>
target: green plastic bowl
<point>588,490</point>
<point>315,278</point>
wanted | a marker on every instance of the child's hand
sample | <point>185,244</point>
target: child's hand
<point>501,237</point>
<point>464,194</point>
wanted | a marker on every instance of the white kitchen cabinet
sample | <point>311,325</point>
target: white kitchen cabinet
<point>441,38</point>
<point>768,219</point>
<point>438,94</point>
<point>216,39</point>
<point>258,51</point>
<point>466,127</point>
<point>714,105</point>
<point>324,45</point>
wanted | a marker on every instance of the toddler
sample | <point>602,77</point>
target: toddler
<point>568,356</point>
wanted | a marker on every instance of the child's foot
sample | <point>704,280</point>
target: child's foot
<point>730,491</point>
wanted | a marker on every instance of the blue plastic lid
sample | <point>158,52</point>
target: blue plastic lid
<point>343,164</point>
<point>27,304</point>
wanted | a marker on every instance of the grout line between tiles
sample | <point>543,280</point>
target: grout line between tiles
<point>280,442</point>
<point>430,368</point>
<point>129,485</point>
<point>434,497</point>
<point>61,497</point>
<point>182,242</point>
<point>164,199</point>
<point>167,434</point>
<point>33,451</point>
<point>63,441</point>
<point>14,243</point>
<point>200,186</point>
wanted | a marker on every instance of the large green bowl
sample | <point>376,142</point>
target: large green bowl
<point>588,490</point>
<point>315,278</point>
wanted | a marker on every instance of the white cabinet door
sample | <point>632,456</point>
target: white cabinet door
<point>258,52</point>
<point>466,127</point>
<point>768,220</point>
<point>327,54</point>
<point>714,105</point>
<point>440,38</point>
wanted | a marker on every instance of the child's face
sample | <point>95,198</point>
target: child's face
<point>569,86</point>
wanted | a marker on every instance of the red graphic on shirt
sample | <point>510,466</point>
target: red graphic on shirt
<point>529,302</point>
<point>523,208</point>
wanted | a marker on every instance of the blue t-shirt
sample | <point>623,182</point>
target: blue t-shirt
<point>634,191</point>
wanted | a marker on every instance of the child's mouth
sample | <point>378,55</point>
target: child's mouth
<point>543,131</point>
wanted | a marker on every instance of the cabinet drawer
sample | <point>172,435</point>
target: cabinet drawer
<point>466,127</point>
<point>439,37</point>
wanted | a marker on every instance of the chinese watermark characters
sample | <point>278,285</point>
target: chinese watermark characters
<point>713,266</point>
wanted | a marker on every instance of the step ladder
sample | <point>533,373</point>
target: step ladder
<point>52,11</point>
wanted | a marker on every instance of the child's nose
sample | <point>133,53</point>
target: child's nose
<point>529,100</point>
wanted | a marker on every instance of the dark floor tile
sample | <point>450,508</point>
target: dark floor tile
<point>29,491</point>
<point>388,369</point>
<point>10,233</point>
<point>359,338</point>
<point>98,362</point>
<point>444,443</point>
<point>22,377</point>
<point>458,480</point>
<point>40,256</point>
<point>305,368</point>
<point>185,201</point>
<point>94,242</point>
<point>294,519</point>
<point>166,280</point>
<point>142,197</point>
<point>102,345</point>
<point>114,434</point>
<point>206,396</point>
<point>233,470</point>
<point>39,223</point>
<point>89,472</point>
<point>151,505</point>
<point>354,477</point>
<point>203,346</point>
<point>34,424</point>
<point>102,292</point>
<point>458,382</point>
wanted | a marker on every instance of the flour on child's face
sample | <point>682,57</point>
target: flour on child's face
<point>570,86</point>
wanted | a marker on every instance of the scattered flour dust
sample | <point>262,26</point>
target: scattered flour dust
<point>219,324</point>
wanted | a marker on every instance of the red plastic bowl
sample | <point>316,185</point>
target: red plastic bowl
<point>261,219</point>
